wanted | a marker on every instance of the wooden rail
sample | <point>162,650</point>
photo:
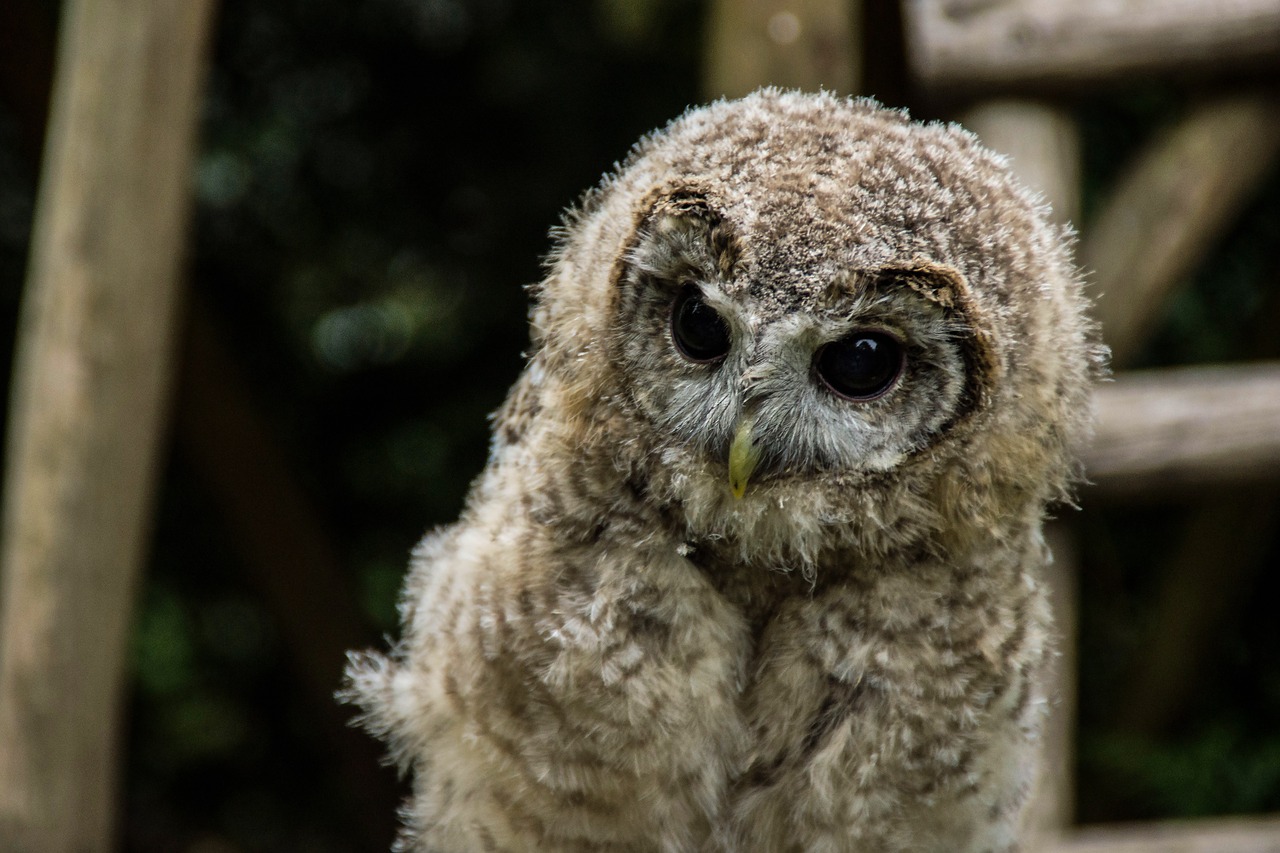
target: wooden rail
<point>1024,44</point>
<point>1184,427</point>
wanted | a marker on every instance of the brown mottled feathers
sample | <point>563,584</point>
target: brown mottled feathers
<point>609,651</point>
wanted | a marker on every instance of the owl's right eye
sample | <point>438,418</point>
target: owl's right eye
<point>699,332</point>
<point>861,366</point>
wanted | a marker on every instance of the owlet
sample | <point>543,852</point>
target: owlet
<point>755,561</point>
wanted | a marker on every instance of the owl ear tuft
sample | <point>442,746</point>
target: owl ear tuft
<point>682,231</point>
<point>942,284</point>
<point>938,283</point>
<point>688,203</point>
<point>947,287</point>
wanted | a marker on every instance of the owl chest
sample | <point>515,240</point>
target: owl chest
<point>635,687</point>
<point>833,685</point>
<point>866,699</point>
<point>905,730</point>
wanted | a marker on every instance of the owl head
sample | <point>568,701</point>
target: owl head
<point>800,323</point>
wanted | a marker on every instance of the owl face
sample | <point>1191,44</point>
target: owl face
<point>848,379</point>
<point>796,323</point>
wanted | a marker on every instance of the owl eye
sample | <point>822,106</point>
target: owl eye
<point>699,332</point>
<point>861,366</point>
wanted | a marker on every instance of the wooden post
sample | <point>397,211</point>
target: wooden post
<point>1222,549</point>
<point>89,396</point>
<point>289,555</point>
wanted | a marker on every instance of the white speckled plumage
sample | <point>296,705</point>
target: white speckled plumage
<point>609,651</point>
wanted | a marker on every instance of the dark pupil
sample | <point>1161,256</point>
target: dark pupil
<point>861,366</point>
<point>699,332</point>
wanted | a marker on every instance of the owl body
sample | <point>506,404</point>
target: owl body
<point>755,561</point>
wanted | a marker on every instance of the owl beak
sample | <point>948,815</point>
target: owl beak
<point>744,455</point>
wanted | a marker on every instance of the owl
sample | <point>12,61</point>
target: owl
<point>755,561</point>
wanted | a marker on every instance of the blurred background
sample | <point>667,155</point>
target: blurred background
<point>374,186</point>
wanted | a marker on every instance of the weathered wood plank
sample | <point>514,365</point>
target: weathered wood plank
<point>972,44</point>
<point>1184,427</point>
<point>90,390</point>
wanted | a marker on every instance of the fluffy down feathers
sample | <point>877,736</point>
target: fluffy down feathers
<point>609,651</point>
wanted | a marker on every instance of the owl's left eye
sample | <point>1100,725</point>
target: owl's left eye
<point>699,332</point>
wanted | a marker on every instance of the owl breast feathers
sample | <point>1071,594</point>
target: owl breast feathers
<point>755,561</point>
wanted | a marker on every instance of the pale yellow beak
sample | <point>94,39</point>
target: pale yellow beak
<point>744,455</point>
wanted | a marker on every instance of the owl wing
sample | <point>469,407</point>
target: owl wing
<point>556,695</point>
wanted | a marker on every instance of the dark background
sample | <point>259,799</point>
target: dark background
<point>374,186</point>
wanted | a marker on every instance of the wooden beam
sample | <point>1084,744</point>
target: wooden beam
<point>1210,835</point>
<point>89,396</point>
<point>1171,206</point>
<point>1186,427</point>
<point>802,44</point>
<point>961,44</point>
